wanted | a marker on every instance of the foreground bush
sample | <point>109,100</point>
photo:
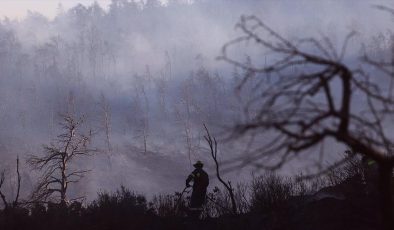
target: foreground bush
<point>270,192</point>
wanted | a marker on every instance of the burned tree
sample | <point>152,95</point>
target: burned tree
<point>56,164</point>
<point>141,119</point>
<point>13,204</point>
<point>106,120</point>
<point>307,93</point>
<point>213,146</point>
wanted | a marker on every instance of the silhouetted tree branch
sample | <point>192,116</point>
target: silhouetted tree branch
<point>214,150</point>
<point>55,164</point>
<point>311,98</point>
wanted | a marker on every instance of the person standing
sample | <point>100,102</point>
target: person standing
<point>200,184</point>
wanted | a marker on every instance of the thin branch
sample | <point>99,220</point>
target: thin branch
<point>213,147</point>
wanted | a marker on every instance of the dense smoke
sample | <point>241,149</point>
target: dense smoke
<point>145,77</point>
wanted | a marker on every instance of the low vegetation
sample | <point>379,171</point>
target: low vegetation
<point>268,201</point>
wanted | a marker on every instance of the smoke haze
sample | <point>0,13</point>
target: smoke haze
<point>146,78</point>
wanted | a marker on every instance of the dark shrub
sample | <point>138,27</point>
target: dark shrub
<point>169,205</point>
<point>123,201</point>
<point>270,192</point>
<point>120,209</point>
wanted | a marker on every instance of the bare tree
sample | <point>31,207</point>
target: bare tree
<point>141,107</point>
<point>187,131</point>
<point>184,114</point>
<point>145,120</point>
<point>314,95</point>
<point>15,202</point>
<point>161,86</point>
<point>213,146</point>
<point>56,163</point>
<point>106,120</point>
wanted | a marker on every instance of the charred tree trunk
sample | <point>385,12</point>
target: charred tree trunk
<point>15,202</point>
<point>18,189</point>
<point>2,179</point>
<point>63,188</point>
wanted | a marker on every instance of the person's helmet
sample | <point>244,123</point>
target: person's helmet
<point>198,164</point>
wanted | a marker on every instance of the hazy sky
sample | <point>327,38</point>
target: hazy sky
<point>19,8</point>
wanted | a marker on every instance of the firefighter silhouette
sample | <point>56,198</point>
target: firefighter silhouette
<point>200,183</point>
